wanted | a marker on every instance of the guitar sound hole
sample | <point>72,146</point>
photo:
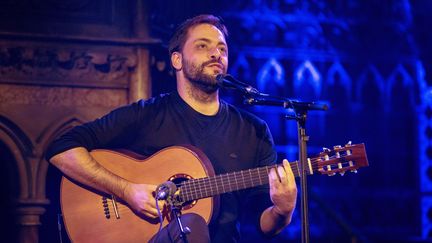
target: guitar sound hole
<point>178,179</point>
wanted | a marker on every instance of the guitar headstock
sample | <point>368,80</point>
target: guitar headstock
<point>341,159</point>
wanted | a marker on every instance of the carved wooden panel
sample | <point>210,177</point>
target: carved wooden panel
<point>84,66</point>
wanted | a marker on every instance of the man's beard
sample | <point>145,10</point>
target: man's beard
<point>195,74</point>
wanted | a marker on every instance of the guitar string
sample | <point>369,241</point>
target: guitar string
<point>227,178</point>
<point>229,175</point>
<point>208,188</point>
<point>205,184</point>
<point>205,187</point>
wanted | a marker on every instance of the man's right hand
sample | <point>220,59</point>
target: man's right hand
<point>140,198</point>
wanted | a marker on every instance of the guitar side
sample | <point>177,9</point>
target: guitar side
<point>90,218</point>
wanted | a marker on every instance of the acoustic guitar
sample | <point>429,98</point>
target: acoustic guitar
<point>92,216</point>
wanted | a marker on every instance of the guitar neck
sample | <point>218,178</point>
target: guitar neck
<point>210,186</point>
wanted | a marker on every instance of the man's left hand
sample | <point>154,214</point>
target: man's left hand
<point>283,189</point>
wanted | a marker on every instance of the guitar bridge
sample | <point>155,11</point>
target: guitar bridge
<point>107,209</point>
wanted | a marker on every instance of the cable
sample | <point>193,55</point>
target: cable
<point>59,227</point>
<point>160,219</point>
<point>160,215</point>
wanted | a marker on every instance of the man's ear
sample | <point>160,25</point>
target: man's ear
<point>176,60</point>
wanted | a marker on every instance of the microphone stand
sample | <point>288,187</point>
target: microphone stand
<point>175,207</point>
<point>300,110</point>
<point>176,211</point>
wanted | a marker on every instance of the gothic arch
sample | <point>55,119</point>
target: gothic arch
<point>377,80</point>
<point>407,82</point>
<point>299,78</point>
<point>21,147</point>
<point>264,78</point>
<point>47,136</point>
<point>337,69</point>
<point>241,67</point>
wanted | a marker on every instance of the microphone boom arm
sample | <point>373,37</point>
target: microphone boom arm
<point>254,97</point>
<point>265,99</point>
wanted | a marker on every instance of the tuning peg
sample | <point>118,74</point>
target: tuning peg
<point>349,143</point>
<point>340,167</point>
<point>329,169</point>
<point>354,171</point>
<point>337,147</point>
<point>326,149</point>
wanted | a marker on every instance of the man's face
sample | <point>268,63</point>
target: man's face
<point>205,55</point>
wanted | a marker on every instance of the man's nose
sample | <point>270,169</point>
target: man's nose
<point>215,53</point>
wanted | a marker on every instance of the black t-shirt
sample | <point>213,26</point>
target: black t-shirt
<point>232,139</point>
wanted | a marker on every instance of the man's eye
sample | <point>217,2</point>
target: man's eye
<point>202,46</point>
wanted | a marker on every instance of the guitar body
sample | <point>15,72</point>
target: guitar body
<point>90,216</point>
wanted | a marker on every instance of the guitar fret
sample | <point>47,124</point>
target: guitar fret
<point>194,193</point>
<point>183,191</point>
<point>203,186</point>
<point>265,174</point>
<point>189,190</point>
<point>193,190</point>
<point>250,176</point>
<point>243,179</point>
<point>235,178</point>
<point>200,191</point>
<point>206,187</point>
<point>211,187</point>
<point>203,190</point>
<point>229,182</point>
<point>222,183</point>
<point>223,187</point>
<point>259,176</point>
<point>190,193</point>
<point>216,185</point>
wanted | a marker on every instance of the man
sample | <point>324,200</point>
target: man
<point>232,139</point>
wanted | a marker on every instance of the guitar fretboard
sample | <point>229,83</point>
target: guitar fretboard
<point>210,186</point>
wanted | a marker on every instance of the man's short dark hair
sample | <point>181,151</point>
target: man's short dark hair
<point>178,40</point>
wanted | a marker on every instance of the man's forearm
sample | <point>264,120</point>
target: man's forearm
<point>272,222</point>
<point>78,164</point>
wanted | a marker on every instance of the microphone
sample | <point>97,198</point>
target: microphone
<point>164,190</point>
<point>228,81</point>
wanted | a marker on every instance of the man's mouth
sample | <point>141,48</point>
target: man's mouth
<point>218,65</point>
